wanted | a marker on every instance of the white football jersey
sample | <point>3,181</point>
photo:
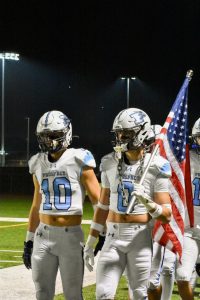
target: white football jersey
<point>156,180</point>
<point>60,186</point>
<point>195,178</point>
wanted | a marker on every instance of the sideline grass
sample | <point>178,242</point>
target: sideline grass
<point>122,292</point>
<point>12,238</point>
<point>89,291</point>
<point>16,207</point>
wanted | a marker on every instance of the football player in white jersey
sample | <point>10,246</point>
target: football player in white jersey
<point>54,237</point>
<point>191,246</point>
<point>128,241</point>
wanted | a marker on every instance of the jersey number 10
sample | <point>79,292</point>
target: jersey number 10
<point>56,184</point>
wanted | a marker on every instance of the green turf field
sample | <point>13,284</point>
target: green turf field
<point>12,236</point>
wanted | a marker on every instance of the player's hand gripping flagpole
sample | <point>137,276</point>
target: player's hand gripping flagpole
<point>172,144</point>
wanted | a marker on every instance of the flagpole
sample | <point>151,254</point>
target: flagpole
<point>131,203</point>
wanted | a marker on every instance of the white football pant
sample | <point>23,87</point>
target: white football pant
<point>191,250</point>
<point>129,246</point>
<point>58,247</point>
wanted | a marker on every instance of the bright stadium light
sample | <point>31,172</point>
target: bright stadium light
<point>128,83</point>
<point>4,56</point>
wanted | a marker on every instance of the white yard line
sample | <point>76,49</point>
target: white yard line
<point>11,261</point>
<point>5,219</point>
<point>10,250</point>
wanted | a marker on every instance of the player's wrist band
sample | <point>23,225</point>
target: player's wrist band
<point>91,240</point>
<point>168,205</point>
<point>157,212</point>
<point>29,236</point>
<point>103,206</point>
<point>97,226</point>
<point>94,206</point>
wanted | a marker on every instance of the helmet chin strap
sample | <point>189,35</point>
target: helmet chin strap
<point>54,145</point>
<point>131,146</point>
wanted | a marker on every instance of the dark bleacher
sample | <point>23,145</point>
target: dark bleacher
<point>15,180</point>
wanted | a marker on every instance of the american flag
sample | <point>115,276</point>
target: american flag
<point>172,143</point>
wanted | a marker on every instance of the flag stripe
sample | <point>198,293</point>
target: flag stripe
<point>172,143</point>
<point>177,176</point>
<point>189,197</point>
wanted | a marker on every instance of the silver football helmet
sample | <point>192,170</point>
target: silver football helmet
<point>54,131</point>
<point>196,135</point>
<point>131,127</point>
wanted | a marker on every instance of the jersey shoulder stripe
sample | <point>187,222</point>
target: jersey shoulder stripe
<point>161,166</point>
<point>84,157</point>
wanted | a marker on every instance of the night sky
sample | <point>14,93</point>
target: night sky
<point>72,56</point>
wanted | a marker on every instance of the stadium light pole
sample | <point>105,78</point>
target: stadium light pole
<point>4,56</point>
<point>127,90</point>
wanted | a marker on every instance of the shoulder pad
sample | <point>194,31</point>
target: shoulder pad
<point>33,162</point>
<point>108,162</point>
<point>161,166</point>
<point>85,158</point>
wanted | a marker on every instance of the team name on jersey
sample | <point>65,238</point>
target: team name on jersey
<point>130,176</point>
<point>53,173</point>
<point>129,173</point>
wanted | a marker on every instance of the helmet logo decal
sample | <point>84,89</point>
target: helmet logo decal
<point>138,117</point>
<point>64,119</point>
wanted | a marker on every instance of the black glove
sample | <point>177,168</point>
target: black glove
<point>99,245</point>
<point>197,267</point>
<point>28,248</point>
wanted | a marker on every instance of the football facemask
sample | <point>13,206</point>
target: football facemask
<point>51,141</point>
<point>127,139</point>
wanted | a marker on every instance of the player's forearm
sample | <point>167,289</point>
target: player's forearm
<point>163,200</point>
<point>34,219</point>
<point>99,221</point>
